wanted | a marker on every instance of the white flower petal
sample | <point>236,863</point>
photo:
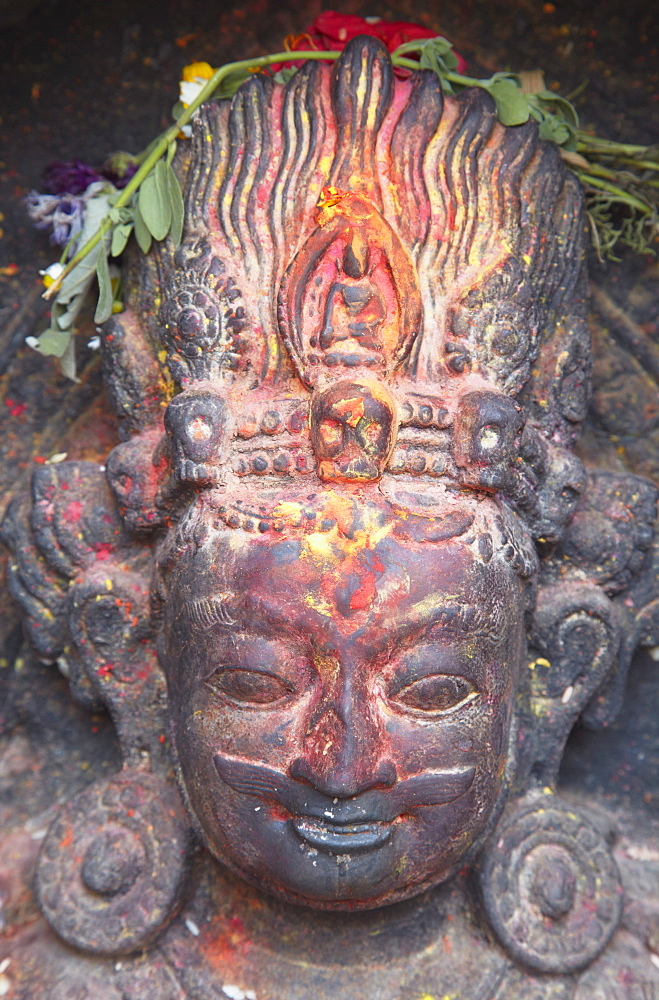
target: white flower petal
<point>190,90</point>
<point>234,992</point>
<point>53,271</point>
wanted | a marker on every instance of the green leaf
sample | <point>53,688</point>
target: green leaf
<point>437,54</point>
<point>154,202</point>
<point>68,361</point>
<point>558,119</point>
<point>53,343</point>
<point>178,110</point>
<point>284,75</point>
<point>230,83</point>
<point>120,237</point>
<point>66,319</point>
<point>79,279</point>
<point>104,304</point>
<point>558,105</point>
<point>432,59</point>
<point>438,44</point>
<point>142,234</point>
<point>512,104</point>
<point>176,202</point>
<point>171,151</point>
<point>83,273</point>
<point>442,44</point>
<point>552,129</point>
<point>505,75</point>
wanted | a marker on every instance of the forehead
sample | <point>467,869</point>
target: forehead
<point>333,585</point>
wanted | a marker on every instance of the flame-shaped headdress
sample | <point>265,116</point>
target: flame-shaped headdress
<point>375,283</point>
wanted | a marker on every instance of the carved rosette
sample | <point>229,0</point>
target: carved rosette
<point>112,868</point>
<point>551,888</point>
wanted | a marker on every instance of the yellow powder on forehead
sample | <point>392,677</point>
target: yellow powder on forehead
<point>319,604</point>
<point>342,539</point>
<point>332,546</point>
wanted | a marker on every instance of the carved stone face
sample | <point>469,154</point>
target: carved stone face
<point>342,707</point>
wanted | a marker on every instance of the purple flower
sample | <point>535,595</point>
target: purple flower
<point>69,178</point>
<point>119,167</point>
<point>121,180</point>
<point>63,214</point>
<point>75,177</point>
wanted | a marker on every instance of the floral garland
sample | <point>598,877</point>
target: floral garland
<point>93,213</point>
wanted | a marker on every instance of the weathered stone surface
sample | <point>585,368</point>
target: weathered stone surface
<point>357,574</point>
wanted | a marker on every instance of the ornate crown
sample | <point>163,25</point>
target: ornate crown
<point>375,283</point>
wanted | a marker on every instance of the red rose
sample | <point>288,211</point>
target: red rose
<point>332,31</point>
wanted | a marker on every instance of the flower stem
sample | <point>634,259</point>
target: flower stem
<point>462,81</point>
<point>404,62</point>
<point>594,144</point>
<point>157,148</point>
<point>639,164</point>
<point>619,193</point>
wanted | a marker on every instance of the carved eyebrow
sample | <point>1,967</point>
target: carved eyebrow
<point>204,612</point>
<point>460,618</point>
<point>472,619</point>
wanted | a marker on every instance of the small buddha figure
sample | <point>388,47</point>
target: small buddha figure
<point>355,311</point>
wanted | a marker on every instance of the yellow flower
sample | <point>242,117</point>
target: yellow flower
<point>197,69</point>
<point>51,274</point>
<point>195,77</point>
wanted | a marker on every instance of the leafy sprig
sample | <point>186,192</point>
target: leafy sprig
<point>615,177</point>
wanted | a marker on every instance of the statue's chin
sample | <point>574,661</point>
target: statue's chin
<point>346,869</point>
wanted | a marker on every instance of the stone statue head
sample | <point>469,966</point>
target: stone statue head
<point>341,689</point>
<point>350,563</point>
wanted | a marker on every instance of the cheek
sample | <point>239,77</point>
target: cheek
<point>208,726</point>
<point>476,735</point>
<point>417,744</point>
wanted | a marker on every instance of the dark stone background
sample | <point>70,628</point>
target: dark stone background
<point>83,79</point>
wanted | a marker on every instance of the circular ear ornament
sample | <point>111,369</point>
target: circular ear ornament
<point>113,865</point>
<point>550,887</point>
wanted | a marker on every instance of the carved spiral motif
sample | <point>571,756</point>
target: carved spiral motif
<point>113,864</point>
<point>551,889</point>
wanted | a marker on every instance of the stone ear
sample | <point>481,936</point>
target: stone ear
<point>574,643</point>
<point>110,625</point>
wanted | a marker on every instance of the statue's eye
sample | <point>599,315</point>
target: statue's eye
<point>435,693</point>
<point>248,687</point>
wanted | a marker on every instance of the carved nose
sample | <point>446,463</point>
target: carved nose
<point>341,759</point>
<point>343,783</point>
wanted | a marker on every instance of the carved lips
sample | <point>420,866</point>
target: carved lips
<point>339,826</point>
